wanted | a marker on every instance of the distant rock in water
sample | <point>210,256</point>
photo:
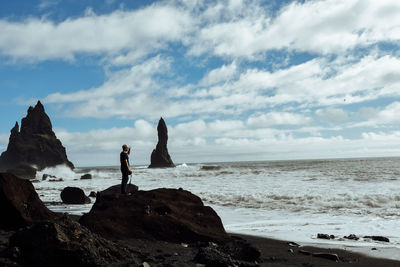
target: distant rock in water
<point>160,157</point>
<point>35,144</point>
<point>86,176</point>
<point>20,204</point>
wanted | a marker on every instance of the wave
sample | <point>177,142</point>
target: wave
<point>59,171</point>
<point>379,204</point>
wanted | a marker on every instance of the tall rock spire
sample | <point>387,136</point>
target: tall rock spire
<point>35,144</point>
<point>160,157</point>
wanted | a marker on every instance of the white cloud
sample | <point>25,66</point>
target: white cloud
<point>323,27</point>
<point>45,4</point>
<point>386,116</point>
<point>139,93</point>
<point>278,118</point>
<point>142,31</point>
<point>221,74</point>
<point>234,28</point>
<point>332,114</point>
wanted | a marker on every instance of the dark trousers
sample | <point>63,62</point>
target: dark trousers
<point>125,178</point>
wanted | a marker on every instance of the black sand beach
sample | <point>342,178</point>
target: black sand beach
<point>277,253</point>
<point>273,253</point>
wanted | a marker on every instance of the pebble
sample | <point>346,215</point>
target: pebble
<point>293,244</point>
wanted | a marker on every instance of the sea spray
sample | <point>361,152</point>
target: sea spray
<point>59,171</point>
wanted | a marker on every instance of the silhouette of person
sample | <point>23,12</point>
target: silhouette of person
<point>125,168</point>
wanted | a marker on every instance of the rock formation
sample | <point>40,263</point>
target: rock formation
<point>160,157</point>
<point>162,214</point>
<point>64,242</point>
<point>35,144</point>
<point>74,195</point>
<point>19,203</point>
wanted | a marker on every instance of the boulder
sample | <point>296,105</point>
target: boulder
<point>20,204</point>
<point>74,195</point>
<point>64,242</point>
<point>35,144</point>
<point>162,214</point>
<point>92,194</point>
<point>86,176</point>
<point>160,157</point>
<point>116,189</point>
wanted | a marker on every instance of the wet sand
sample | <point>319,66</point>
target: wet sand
<point>280,253</point>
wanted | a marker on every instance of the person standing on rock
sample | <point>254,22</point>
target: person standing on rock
<point>125,168</point>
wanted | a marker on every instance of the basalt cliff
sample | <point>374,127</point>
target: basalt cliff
<point>33,146</point>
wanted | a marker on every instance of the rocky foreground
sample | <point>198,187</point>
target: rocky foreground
<point>162,227</point>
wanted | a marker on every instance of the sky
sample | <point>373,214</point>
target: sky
<point>234,80</point>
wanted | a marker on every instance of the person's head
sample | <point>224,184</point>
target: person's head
<point>125,148</point>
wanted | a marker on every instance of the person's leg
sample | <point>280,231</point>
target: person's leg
<point>123,183</point>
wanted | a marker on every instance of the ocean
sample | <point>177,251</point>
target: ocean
<point>288,200</point>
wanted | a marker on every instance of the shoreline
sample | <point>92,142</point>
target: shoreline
<point>378,250</point>
<point>279,253</point>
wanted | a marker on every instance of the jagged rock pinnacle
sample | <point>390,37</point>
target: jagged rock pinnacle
<point>34,144</point>
<point>160,157</point>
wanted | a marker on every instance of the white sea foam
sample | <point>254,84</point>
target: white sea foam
<point>291,200</point>
<point>60,171</point>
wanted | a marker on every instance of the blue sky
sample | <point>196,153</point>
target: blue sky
<point>234,79</point>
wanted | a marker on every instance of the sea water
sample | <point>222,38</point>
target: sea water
<point>288,200</point>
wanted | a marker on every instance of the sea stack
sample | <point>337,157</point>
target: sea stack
<point>160,157</point>
<point>35,145</point>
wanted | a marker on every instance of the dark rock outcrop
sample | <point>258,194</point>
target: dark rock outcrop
<point>162,214</point>
<point>35,144</point>
<point>325,236</point>
<point>74,195</point>
<point>116,189</point>
<point>64,242</point>
<point>378,238</point>
<point>19,203</point>
<point>160,157</point>
<point>86,176</point>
